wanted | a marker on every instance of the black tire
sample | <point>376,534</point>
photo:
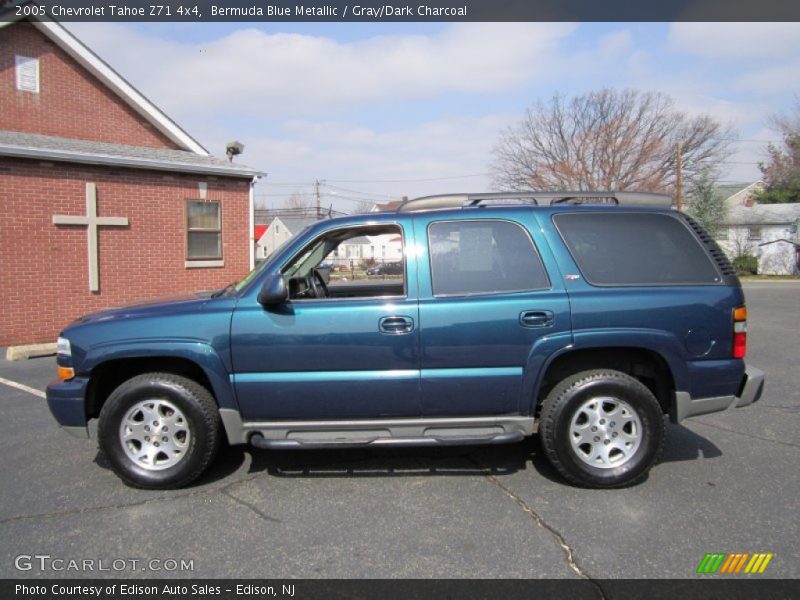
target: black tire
<point>201,421</point>
<point>566,400</point>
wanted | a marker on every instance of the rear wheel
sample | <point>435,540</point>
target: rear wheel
<point>159,430</point>
<point>602,428</point>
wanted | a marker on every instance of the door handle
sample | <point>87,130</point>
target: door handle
<point>395,325</point>
<point>536,318</point>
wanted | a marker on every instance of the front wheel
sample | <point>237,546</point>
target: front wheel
<point>602,429</point>
<point>159,430</point>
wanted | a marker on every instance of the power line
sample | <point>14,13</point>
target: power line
<point>749,140</point>
<point>408,180</point>
<point>369,195</point>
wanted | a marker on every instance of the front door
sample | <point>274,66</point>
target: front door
<point>348,352</point>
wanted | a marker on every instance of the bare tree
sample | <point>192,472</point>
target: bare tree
<point>782,169</point>
<point>298,202</point>
<point>361,207</point>
<point>606,140</point>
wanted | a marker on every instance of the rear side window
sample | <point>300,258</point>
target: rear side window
<point>635,249</point>
<point>483,257</point>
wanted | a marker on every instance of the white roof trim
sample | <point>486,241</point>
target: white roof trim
<point>122,161</point>
<point>114,81</point>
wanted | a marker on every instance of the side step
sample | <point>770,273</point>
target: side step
<point>358,441</point>
<point>442,431</point>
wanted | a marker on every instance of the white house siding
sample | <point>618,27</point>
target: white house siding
<point>274,236</point>
<point>749,229</point>
<point>382,248</point>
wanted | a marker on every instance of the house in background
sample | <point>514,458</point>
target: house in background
<point>740,194</point>
<point>390,206</point>
<point>380,248</point>
<point>767,231</point>
<point>106,200</point>
<point>279,229</point>
<point>260,249</point>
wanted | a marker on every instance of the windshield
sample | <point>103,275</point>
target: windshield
<point>260,267</point>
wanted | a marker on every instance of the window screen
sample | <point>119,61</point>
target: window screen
<point>635,249</point>
<point>483,257</point>
<point>203,231</point>
<point>27,73</point>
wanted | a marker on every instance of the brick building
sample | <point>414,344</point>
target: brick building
<point>105,200</point>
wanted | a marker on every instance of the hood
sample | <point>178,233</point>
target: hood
<point>157,306</point>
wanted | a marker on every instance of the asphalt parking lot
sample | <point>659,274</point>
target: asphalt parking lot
<point>728,482</point>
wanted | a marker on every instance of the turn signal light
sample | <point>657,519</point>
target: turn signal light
<point>739,332</point>
<point>65,372</point>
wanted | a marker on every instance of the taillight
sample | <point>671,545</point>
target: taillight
<point>739,332</point>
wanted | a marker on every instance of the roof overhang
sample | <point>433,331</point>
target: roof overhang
<point>124,161</point>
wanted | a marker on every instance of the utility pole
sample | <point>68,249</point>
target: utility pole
<point>316,194</point>
<point>679,176</point>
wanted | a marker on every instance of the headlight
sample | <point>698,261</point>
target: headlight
<point>64,359</point>
<point>63,347</point>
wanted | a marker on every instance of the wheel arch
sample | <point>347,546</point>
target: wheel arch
<point>646,364</point>
<point>107,370</point>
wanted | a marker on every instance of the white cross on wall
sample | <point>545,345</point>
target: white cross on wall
<point>92,221</point>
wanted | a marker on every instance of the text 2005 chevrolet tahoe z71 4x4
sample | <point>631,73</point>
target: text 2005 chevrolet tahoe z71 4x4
<point>584,316</point>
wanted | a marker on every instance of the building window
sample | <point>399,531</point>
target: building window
<point>203,230</point>
<point>721,234</point>
<point>754,233</point>
<point>27,74</point>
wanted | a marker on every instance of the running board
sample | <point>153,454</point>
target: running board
<point>259,441</point>
<point>376,432</point>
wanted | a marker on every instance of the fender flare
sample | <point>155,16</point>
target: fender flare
<point>198,352</point>
<point>660,342</point>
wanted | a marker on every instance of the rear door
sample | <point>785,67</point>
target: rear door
<point>492,308</point>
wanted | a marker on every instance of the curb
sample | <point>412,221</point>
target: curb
<point>30,351</point>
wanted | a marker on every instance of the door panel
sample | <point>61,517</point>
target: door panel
<point>332,358</point>
<point>474,349</point>
<point>325,359</point>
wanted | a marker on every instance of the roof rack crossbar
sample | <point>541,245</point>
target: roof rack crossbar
<point>537,198</point>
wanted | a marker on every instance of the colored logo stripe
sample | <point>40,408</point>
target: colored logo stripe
<point>735,562</point>
<point>758,563</point>
<point>711,562</point>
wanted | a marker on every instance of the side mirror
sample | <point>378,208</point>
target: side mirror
<point>274,292</point>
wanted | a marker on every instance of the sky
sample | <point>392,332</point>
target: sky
<point>380,111</point>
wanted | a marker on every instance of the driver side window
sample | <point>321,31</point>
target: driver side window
<point>348,263</point>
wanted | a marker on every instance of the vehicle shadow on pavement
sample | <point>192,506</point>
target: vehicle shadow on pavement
<point>682,444</point>
<point>451,461</point>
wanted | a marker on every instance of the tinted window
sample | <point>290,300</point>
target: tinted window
<point>483,257</point>
<point>635,249</point>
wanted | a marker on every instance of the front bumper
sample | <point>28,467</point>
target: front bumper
<point>751,389</point>
<point>67,403</point>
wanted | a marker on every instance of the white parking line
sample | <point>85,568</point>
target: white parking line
<point>23,387</point>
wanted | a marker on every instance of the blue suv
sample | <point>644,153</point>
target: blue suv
<point>583,317</point>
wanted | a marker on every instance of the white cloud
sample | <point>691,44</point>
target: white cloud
<point>770,80</point>
<point>338,150</point>
<point>731,41</point>
<point>251,72</point>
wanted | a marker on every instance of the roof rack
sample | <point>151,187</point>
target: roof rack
<point>536,199</point>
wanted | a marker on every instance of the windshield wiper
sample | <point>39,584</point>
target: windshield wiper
<point>222,292</point>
